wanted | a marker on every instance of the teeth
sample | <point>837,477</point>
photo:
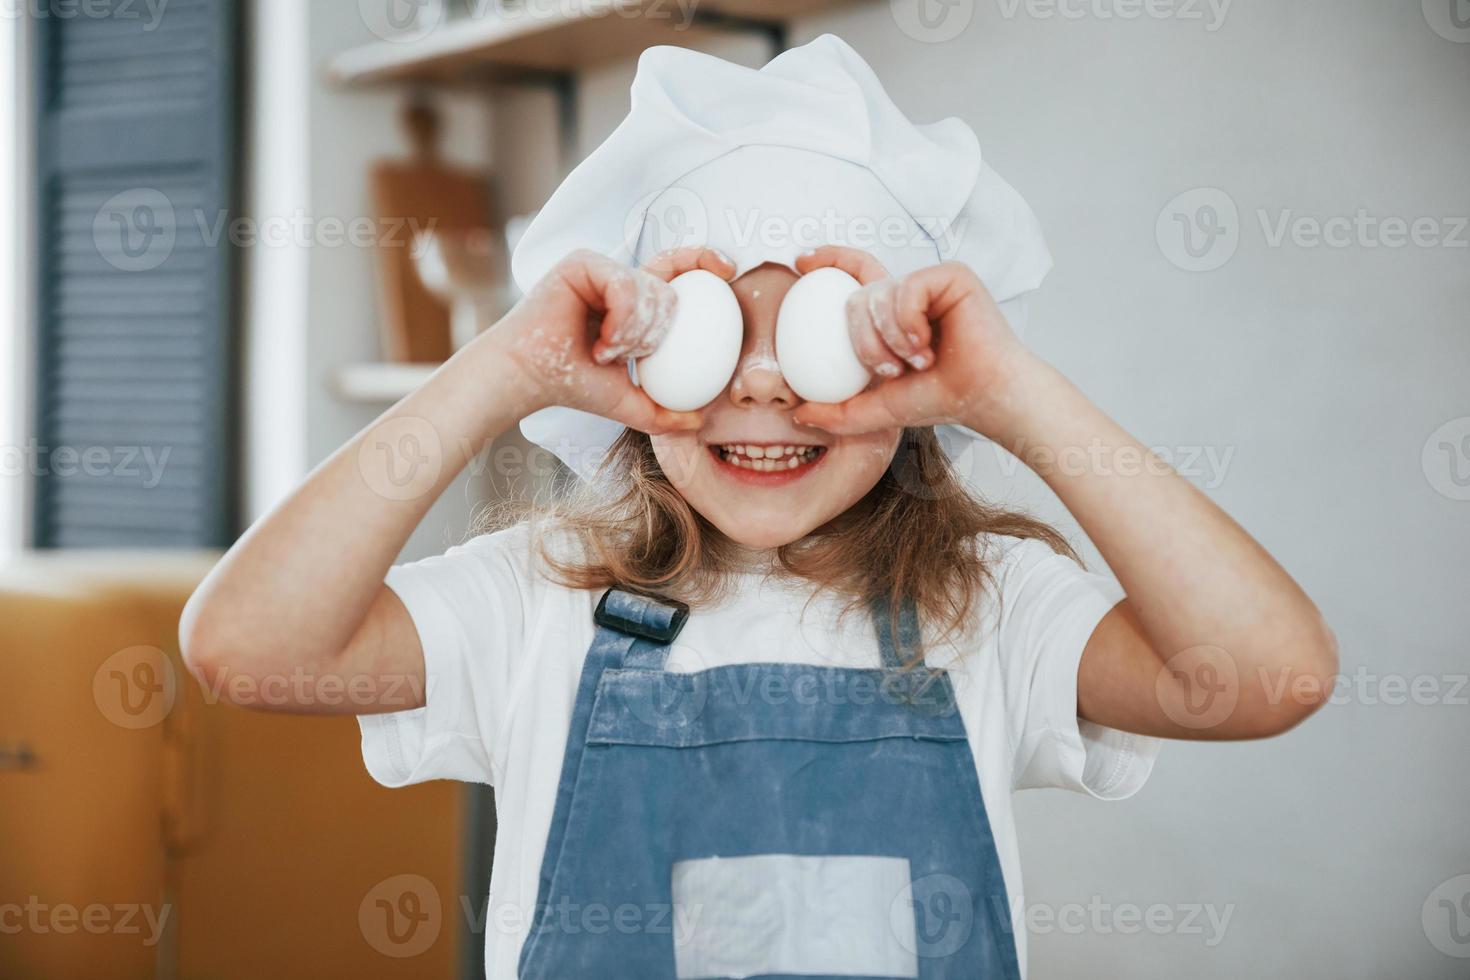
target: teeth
<point>767,459</point>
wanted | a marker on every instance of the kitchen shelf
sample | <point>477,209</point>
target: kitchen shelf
<point>555,38</point>
<point>380,383</point>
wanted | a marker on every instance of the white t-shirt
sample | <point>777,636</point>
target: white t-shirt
<point>504,647</point>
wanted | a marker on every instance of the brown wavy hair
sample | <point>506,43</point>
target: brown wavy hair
<point>916,533</point>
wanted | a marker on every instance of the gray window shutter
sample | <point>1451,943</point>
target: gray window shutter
<point>136,140</point>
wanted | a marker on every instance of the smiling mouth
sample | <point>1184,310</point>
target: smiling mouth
<point>767,459</point>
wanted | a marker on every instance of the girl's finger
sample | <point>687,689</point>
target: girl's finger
<point>589,275</point>
<point>653,302</point>
<point>869,411</point>
<point>867,339</point>
<point>634,408</point>
<point>881,299</point>
<point>918,398</point>
<point>853,261</point>
<point>639,308</point>
<point>649,340</point>
<point>928,295</point>
<point>913,323</point>
<point>677,261</point>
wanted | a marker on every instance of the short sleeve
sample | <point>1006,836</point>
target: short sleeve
<point>471,607</point>
<point>1049,606</point>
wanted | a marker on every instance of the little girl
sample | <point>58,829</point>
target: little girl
<point>755,690</point>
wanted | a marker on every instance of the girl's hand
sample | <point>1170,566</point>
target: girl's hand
<point>572,335</point>
<point>1217,614</point>
<point>935,340</point>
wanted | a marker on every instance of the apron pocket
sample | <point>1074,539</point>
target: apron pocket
<point>790,914</point>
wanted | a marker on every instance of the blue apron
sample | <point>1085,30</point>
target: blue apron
<point>765,820</point>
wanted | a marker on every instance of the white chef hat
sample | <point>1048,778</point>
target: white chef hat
<point>765,164</point>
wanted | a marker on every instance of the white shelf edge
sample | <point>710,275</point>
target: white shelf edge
<point>383,58</point>
<point>380,382</point>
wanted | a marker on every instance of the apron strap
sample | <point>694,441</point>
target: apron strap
<point>910,641</point>
<point>643,626</point>
<point>923,688</point>
<point>649,624</point>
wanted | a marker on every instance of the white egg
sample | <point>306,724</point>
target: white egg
<point>812,343</point>
<point>697,356</point>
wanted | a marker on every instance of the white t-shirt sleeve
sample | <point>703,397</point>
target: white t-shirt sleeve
<point>472,608</point>
<point>1049,607</point>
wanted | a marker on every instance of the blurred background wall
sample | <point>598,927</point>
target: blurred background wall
<point>1258,212</point>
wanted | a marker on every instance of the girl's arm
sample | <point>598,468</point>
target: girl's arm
<point>296,617</point>
<point>1215,639</point>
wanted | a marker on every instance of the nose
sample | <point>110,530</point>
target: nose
<point>758,381</point>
